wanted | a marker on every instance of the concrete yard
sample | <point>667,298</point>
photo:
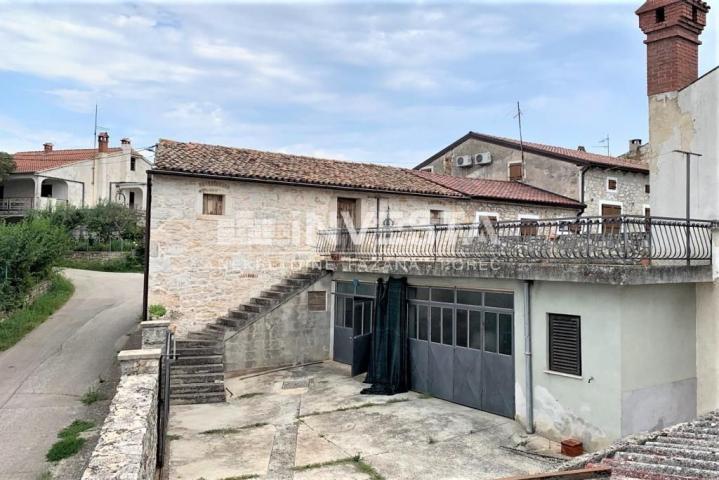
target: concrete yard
<point>312,423</point>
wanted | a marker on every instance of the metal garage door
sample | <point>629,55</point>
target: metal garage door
<point>461,347</point>
<point>353,309</point>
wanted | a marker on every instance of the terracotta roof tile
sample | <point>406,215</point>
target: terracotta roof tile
<point>40,161</point>
<point>500,190</point>
<point>196,158</point>
<point>567,154</point>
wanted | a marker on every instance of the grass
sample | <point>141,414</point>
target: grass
<point>75,428</point>
<point>92,395</point>
<point>230,431</point>
<point>356,461</point>
<point>70,441</point>
<point>23,321</point>
<point>123,264</point>
<point>357,407</point>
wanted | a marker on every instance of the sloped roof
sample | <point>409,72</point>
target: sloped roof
<point>560,153</point>
<point>202,159</point>
<point>500,190</point>
<point>40,161</point>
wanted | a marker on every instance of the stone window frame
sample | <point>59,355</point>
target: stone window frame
<point>616,184</point>
<point>479,214</point>
<point>442,217</point>
<point>213,190</point>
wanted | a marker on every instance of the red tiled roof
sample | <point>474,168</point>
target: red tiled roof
<point>215,160</point>
<point>560,153</point>
<point>40,161</point>
<point>500,190</point>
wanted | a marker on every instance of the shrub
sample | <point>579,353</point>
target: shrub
<point>64,448</point>
<point>28,251</point>
<point>157,311</point>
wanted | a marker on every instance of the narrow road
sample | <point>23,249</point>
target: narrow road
<point>43,377</point>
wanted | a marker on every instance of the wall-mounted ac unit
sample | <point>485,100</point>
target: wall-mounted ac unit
<point>483,158</point>
<point>464,161</point>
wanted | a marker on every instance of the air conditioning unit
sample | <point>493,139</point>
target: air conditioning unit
<point>483,158</point>
<point>464,161</point>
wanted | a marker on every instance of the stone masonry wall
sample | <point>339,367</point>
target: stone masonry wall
<point>127,446</point>
<point>630,193</point>
<point>289,335</point>
<point>202,265</point>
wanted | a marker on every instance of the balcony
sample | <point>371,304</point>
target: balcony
<point>622,240</point>
<point>19,206</point>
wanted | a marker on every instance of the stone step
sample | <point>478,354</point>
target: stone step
<point>240,314</point>
<point>207,387</point>
<point>197,398</point>
<point>197,369</point>
<point>677,462</point>
<point>263,301</point>
<point>295,283</point>
<point>199,360</point>
<point>199,351</point>
<point>205,335</point>
<point>215,329</point>
<point>277,296</point>
<point>197,343</point>
<point>279,288</point>
<point>235,323</point>
<point>251,307</point>
<point>186,378</point>
<point>675,451</point>
<point>649,471</point>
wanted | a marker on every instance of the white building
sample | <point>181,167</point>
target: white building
<point>79,177</point>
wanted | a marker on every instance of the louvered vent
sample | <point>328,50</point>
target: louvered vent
<point>565,345</point>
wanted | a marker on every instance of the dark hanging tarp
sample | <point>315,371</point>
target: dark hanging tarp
<point>388,369</point>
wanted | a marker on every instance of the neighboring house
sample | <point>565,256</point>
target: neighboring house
<point>80,177</point>
<point>228,220</point>
<point>607,185</point>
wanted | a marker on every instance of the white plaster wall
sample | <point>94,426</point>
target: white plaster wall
<point>707,342</point>
<point>586,407</point>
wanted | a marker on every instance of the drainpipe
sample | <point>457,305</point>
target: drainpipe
<point>528,383</point>
<point>583,171</point>
<point>148,213</point>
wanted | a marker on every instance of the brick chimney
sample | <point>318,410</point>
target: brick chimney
<point>103,142</point>
<point>672,28</point>
<point>47,147</point>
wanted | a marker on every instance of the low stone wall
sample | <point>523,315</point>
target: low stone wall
<point>97,255</point>
<point>36,291</point>
<point>127,448</point>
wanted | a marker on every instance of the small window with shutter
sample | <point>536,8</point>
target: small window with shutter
<point>213,204</point>
<point>317,301</point>
<point>612,184</point>
<point>565,345</point>
<point>515,172</point>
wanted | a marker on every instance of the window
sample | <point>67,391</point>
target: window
<point>213,204</point>
<point>515,172</point>
<point>660,14</point>
<point>436,217</point>
<point>528,225</point>
<point>132,163</point>
<point>131,201</point>
<point>46,190</point>
<point>646,188</point>
<point>317,301</point>
<point>565,346</point>
<point>612,222</point>
<point>611,184</point>
<point>427,169</point>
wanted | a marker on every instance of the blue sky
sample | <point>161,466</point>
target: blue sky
<point>389,82</point>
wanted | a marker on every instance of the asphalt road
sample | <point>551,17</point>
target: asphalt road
<point>43,376</point>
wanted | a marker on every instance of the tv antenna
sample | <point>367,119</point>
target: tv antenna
<point>605,144</point>
<point>518,116</point>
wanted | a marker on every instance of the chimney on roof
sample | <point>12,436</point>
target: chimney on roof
<point>672,28</point>
<point>47,147</point>
<point>126,145</point>
<point>581,148</point>
<point>103,142</point>
<point>634,145</point>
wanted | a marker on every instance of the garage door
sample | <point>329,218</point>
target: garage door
<point>353,309</point>
<point>461,346</point>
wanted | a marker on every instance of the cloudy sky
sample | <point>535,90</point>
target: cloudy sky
<point>388,82</point>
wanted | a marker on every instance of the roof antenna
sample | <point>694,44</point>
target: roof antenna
<point>605,144</point>
<point>94,136</point>
<point>518,116</point>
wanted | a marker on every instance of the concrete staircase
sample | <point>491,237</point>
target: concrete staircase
<point>687,452</point>
<point>197,375</point>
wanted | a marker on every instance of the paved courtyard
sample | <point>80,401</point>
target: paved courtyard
<point>312,423</point>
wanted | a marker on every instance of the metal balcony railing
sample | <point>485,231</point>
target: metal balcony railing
<point>622,239</point>
<point>16,205</point>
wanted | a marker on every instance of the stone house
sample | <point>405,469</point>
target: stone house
<point>80,177</point>
<point>607,185</point>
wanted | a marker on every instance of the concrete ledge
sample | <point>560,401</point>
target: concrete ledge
<point>155,323</point>
<point>138,362</point>
<point>553,272</point>
<point>144,354</point>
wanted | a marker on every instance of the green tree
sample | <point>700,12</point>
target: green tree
<point>7,165</point>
